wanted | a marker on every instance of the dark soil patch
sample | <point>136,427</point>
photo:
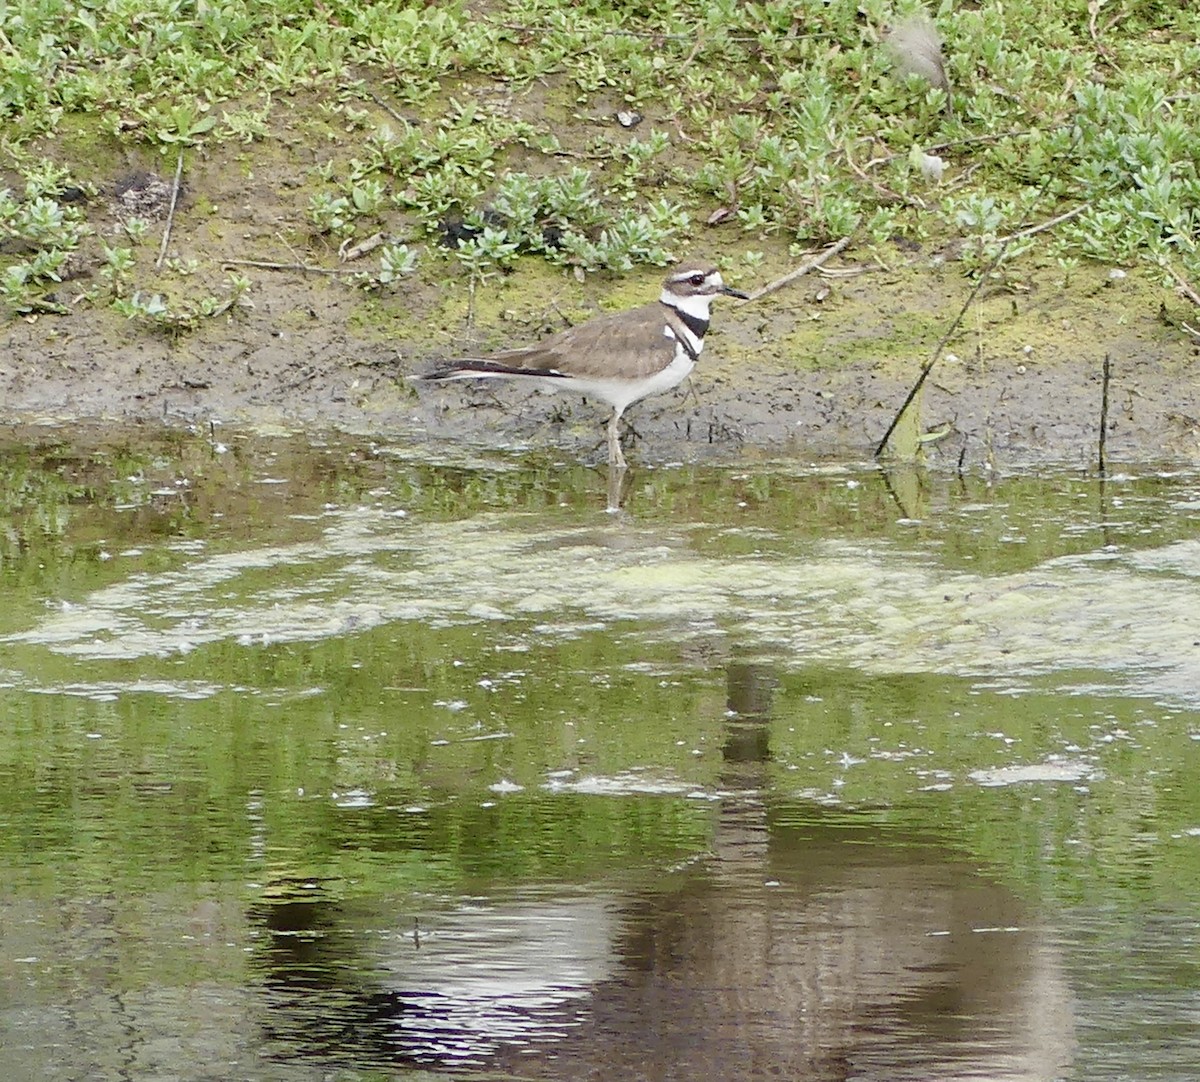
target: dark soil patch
<point>293,361</point>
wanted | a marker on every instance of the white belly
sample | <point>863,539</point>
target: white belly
<point>622,393</point>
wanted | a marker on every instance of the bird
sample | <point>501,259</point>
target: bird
<point>917,50</point>
<point>619,358</point>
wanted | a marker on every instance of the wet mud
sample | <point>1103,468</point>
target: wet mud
<point>817,369</point>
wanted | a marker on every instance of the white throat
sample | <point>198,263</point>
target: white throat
<point>698,306</point>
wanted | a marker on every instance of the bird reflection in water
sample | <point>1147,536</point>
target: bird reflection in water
<point>811,943</point>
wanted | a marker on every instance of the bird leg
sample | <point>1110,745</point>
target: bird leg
<point>616,483</point>
<point>615,457</point>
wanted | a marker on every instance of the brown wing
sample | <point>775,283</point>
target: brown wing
<point>630,344</point>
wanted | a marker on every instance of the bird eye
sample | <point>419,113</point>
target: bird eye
<point>697,279</point>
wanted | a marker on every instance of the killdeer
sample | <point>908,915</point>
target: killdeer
<point>619,358</point>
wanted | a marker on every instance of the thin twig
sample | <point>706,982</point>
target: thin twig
<point>984,275</point>
<point>937,350</point>
<point>223,307</point>
<point>881,190</point>
<point>991,137</point>
<point>386,107</point>
<point>1095,31</point>
<point>687,62</point>
<point>1048,224</point>
<point>166,238</point>
<point>612,32</point>
<point>1184,285</point>
<point>307,268</point>
<point>562,152</point>
<point>289,246</point>
<point>1105,379</point>
<point>800,271</point>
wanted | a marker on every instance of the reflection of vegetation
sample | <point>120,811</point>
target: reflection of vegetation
<point>161,767</point>
<point>383,780</point>
<point>909,744</point>
<point>369,754</point>
<point>26,489</point>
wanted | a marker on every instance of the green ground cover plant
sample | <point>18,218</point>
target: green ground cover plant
<point>459,138</point>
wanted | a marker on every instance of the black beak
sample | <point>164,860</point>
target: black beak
<point>729,291</point>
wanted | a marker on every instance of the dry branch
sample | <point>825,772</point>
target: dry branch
<point>1105,380</point>
<point>1185,286</point>
<point>306,268</point>
<point>800,271</point>
<point>1048,224</point>
<point>937,350</point>
<point>166,237</point>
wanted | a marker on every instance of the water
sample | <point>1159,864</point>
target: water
<point>319,761</point>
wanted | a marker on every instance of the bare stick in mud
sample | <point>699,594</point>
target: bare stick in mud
<point>305,268</point>
<point>162,248</point>
<point>984,275</point>
<point>1105,381</point>
<point>800,271</point>
<point>937,350</point>
<point>1050,223</point>
<point>1185,287</point>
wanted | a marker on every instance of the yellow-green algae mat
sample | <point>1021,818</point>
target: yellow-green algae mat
<point>877,606</point>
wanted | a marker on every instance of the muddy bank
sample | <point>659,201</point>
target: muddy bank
<point>815,370</point>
